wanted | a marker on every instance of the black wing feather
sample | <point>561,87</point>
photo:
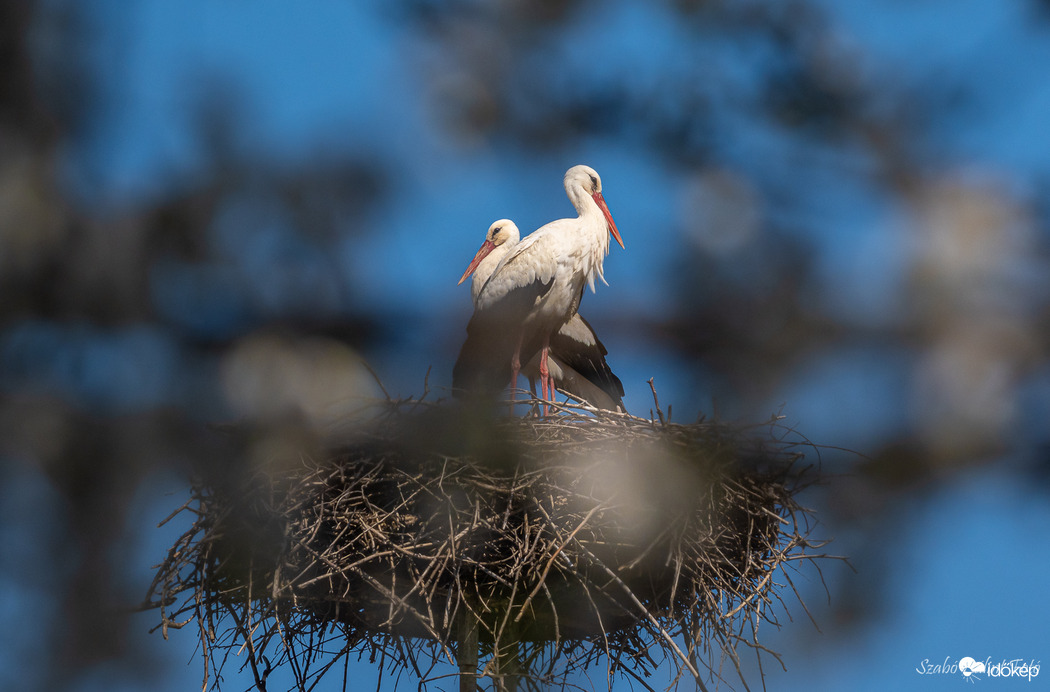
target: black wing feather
<point>483,365</point>
<point>588,360</point>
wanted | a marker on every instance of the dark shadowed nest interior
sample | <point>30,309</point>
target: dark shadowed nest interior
<point>524,552</point>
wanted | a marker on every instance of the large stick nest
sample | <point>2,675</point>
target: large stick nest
<point>434,530</point>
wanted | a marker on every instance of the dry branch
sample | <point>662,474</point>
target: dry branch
<point>582,538</point>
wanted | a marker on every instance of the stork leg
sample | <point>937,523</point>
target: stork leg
<point>515,368</point>
<point>546,384</point>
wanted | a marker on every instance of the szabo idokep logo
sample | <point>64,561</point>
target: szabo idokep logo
<point>973,669</point>
<point>969,667</point>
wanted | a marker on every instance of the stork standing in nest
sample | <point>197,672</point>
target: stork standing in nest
<point>577,356</point>
<point>535,290</point>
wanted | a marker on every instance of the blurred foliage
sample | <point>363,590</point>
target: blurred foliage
<point>961,341</point>
<point>124,329</point>
<point>752,302</point>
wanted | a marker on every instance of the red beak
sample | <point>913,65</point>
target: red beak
<point>486,247</point>
<point>608,217</point>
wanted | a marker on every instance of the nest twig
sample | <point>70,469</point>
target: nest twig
<point>523,549</point>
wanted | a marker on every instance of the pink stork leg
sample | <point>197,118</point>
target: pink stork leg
<point>515,368</point>
<point>546,384</point>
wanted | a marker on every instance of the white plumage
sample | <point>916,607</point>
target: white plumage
<point>577,357</point>
<point>534,290</point>
<point>500,239</point>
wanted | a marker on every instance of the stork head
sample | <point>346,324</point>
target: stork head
<point>499,232</point>
<point>584,180</point>
<point>503,231</point>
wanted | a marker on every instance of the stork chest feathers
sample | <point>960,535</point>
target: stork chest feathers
<point>546,273</point>
<point>535,289</point>
<point>565,250</point>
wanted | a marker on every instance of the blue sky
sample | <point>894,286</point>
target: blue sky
<point>965,573</point>
<point>961,583</point>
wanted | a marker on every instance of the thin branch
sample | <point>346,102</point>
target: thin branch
<point>383,547</point>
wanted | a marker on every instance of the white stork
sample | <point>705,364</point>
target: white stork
<point>534,290</point>
<point>577,357</point>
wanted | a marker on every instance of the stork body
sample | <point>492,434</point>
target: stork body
<point>534,290</point>
<point>577,357</point>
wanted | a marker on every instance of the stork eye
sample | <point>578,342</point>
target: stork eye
<point>594,182</point>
